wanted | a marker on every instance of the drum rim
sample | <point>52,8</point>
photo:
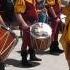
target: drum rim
<point>44,37</point>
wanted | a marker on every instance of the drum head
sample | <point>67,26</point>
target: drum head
<point>40,36</point>
<point>40,30</point>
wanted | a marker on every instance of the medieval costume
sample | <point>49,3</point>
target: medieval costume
<point>26,8</point>
<point>54,11</point>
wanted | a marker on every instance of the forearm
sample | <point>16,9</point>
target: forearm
<point>1,20</point>
<point>20,19</point>
<point>53,12</point>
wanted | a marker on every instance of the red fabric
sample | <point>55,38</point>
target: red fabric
<point>30,13</point>
<point>55,30</point>
<point>56,7</point>
<point>26,39</point>
<point>29,16</point>
<point>55,25</point>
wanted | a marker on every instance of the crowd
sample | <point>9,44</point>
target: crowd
<point>24,13</point>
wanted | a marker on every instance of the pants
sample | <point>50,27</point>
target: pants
<point>55,30</point>
<point>26,39</point>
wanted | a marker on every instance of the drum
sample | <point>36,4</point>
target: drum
<point>40,36</point>
<point>8,41</point>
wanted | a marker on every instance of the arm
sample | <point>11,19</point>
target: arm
<point>19,8</point>
<point>53,12</point>
<point>1,20</point>
<point>21,20</point>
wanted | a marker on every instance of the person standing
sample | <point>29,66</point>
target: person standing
<point>42,11</point>
<point>54,11</point>
<point>26,14</point>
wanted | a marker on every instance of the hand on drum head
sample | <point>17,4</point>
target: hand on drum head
<point>58,20</point>
<point>25,26</point>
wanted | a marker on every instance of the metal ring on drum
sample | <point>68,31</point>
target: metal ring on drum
<point>40,35</point>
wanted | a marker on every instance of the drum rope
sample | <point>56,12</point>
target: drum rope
<point>41,45</point>
<point>3,35</point>
<point>5,40</point>
<point>8,46</point>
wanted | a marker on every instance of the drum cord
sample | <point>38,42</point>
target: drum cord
<point>7,33</point>
<point>42,43</point>
<point>3,36</point>
<point>2,50</point>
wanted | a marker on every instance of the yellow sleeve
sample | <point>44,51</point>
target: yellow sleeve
<point>59,1</point>
<point>20,6</point>
<point>51,2</point>
<point>32,2</point>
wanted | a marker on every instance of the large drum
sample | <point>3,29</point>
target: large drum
<point>8,41</point>
<point>40,36</point>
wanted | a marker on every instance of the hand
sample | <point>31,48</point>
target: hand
<point>58,20</point>
<point>25,26</point>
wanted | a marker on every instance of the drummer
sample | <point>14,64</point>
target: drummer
<point>54,11</point>
<point>42,11</point>
<point>2,66</point>
<point>26,15</point>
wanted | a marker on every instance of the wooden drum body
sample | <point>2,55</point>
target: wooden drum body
<point>8,41</point>
<point>40,44</point>
<point>40,36</point>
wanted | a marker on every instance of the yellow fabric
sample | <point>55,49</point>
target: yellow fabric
<point>65,38</point>
<point>32,2</point>
<point>52,2</point>
<point>20,6</point>
<point>59,1</point>
<point>66,10</point>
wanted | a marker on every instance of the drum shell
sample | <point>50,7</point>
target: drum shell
<point>40,36</point>
<point>40,44</point>
<point>8,41</point>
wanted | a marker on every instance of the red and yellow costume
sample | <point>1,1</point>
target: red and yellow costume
<point>54,11</point>
<point>54,14</point>
<point>27,9</point>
